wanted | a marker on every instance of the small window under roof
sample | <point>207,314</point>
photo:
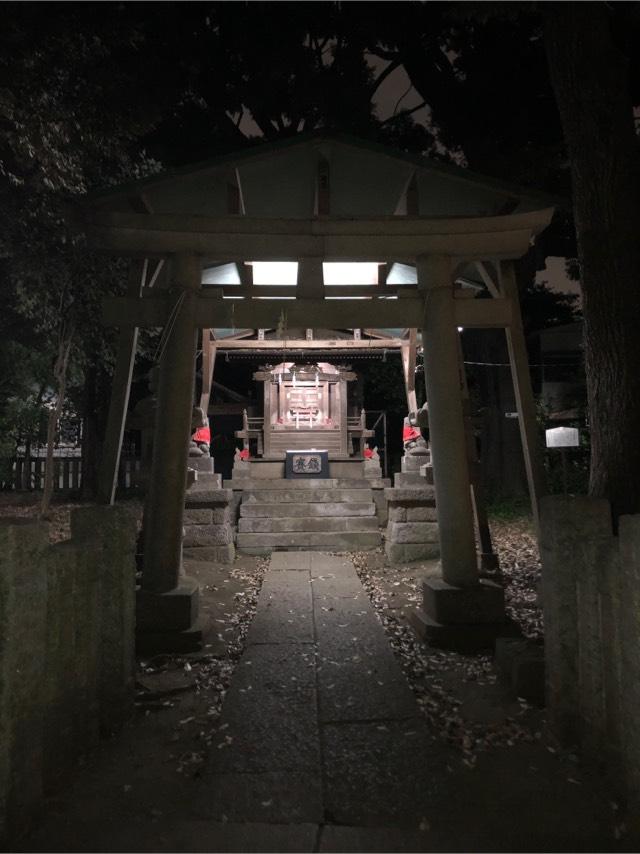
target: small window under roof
<point>275,272</point>
<point>350,272</point>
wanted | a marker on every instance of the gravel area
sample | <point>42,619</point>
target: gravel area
<point>461,695</point>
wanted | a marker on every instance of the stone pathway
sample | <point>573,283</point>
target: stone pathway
<point>320,729</point>
<point>320,747</point>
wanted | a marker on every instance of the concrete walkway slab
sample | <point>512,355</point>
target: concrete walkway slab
<point>320,725</point>
<point>270,715</point>
<point>285,615</point>
<point>290,560</point>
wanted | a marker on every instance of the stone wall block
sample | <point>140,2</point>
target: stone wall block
<point>60,666</point>
<point>628,622</point>
<point>217,554</point>
<point>382,508</point>
<point>207,535</point>
<point>221,515</point>
<point>411,495</point>
<point>611,579</point>
<point>198,517</point>
<point>116,600</point>
<point>414,532</point>
<point>561,533</point>
<point>421,514</point>
<point>397,513</point>
<point>85,615</point>
<point>23,638</point>
<point>421,551</point>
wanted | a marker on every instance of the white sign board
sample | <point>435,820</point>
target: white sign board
<point>562,437</point>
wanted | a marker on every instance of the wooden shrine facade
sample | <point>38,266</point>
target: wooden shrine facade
<point>305,407</point>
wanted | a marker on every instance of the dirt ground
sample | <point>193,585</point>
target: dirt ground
<point>503,756</point>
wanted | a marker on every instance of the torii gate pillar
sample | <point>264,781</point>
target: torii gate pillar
<point>459,609</point>
<point>168,600</point>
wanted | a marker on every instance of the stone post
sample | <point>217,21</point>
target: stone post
<point>446,423</point>
<point>459,610</point>
<point>167,603</point>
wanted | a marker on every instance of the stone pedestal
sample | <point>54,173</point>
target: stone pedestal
<point>168,622</point>
<point>465,619</point>
<point>202,464</point>
<point>412,529</point>
<point>208,525</point>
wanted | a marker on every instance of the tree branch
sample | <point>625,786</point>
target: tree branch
<point>384,74</point>
<point>404,113</point>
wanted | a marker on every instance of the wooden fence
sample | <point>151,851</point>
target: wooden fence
<point>28,474</point>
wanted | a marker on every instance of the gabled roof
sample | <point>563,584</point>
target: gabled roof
<point>278,179</point>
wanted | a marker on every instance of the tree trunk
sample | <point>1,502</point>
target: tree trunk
<point>591,82</point>
<point>60,374</point>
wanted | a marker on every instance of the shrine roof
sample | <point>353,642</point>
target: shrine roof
<point>278,179</point>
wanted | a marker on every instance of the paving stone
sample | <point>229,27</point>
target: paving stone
<point>380,773</point>
<point>170,835</point>
<point>358,676</point>
<point>335,586</point>
<point>274,796</point>
<point>271,713</point>
<point>322,564</point>
<point>290,560</point>
<point>354,840</point>
<point>284,612</point>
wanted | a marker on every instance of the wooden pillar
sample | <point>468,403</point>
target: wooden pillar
<point>409,369</point>
<point>125,358</point>
<point>446,423</point>
<point>525,404</point>
<point>343,415</point>
<point>208,364</point>
<point>165,501</point>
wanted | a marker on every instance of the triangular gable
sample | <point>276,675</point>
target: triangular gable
<point>280,180</point>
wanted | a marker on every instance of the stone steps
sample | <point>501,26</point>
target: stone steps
<point>328,514</point>
<point>260,484</point>
<point>301,496</point>
<point>314,524</point>
<point>255,510</point>
<point>308,541</point>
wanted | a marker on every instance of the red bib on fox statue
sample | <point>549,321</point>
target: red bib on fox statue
<point>202,435</point>
<point>410,435</point>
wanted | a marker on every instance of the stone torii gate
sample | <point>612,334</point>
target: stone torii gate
<point>178,224</point>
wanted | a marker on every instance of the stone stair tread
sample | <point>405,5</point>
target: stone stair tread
<point>260,484</point>
<point>308,509</point>
<point>321,495</point>
<point>309,541</point>
<point>347,524</point>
